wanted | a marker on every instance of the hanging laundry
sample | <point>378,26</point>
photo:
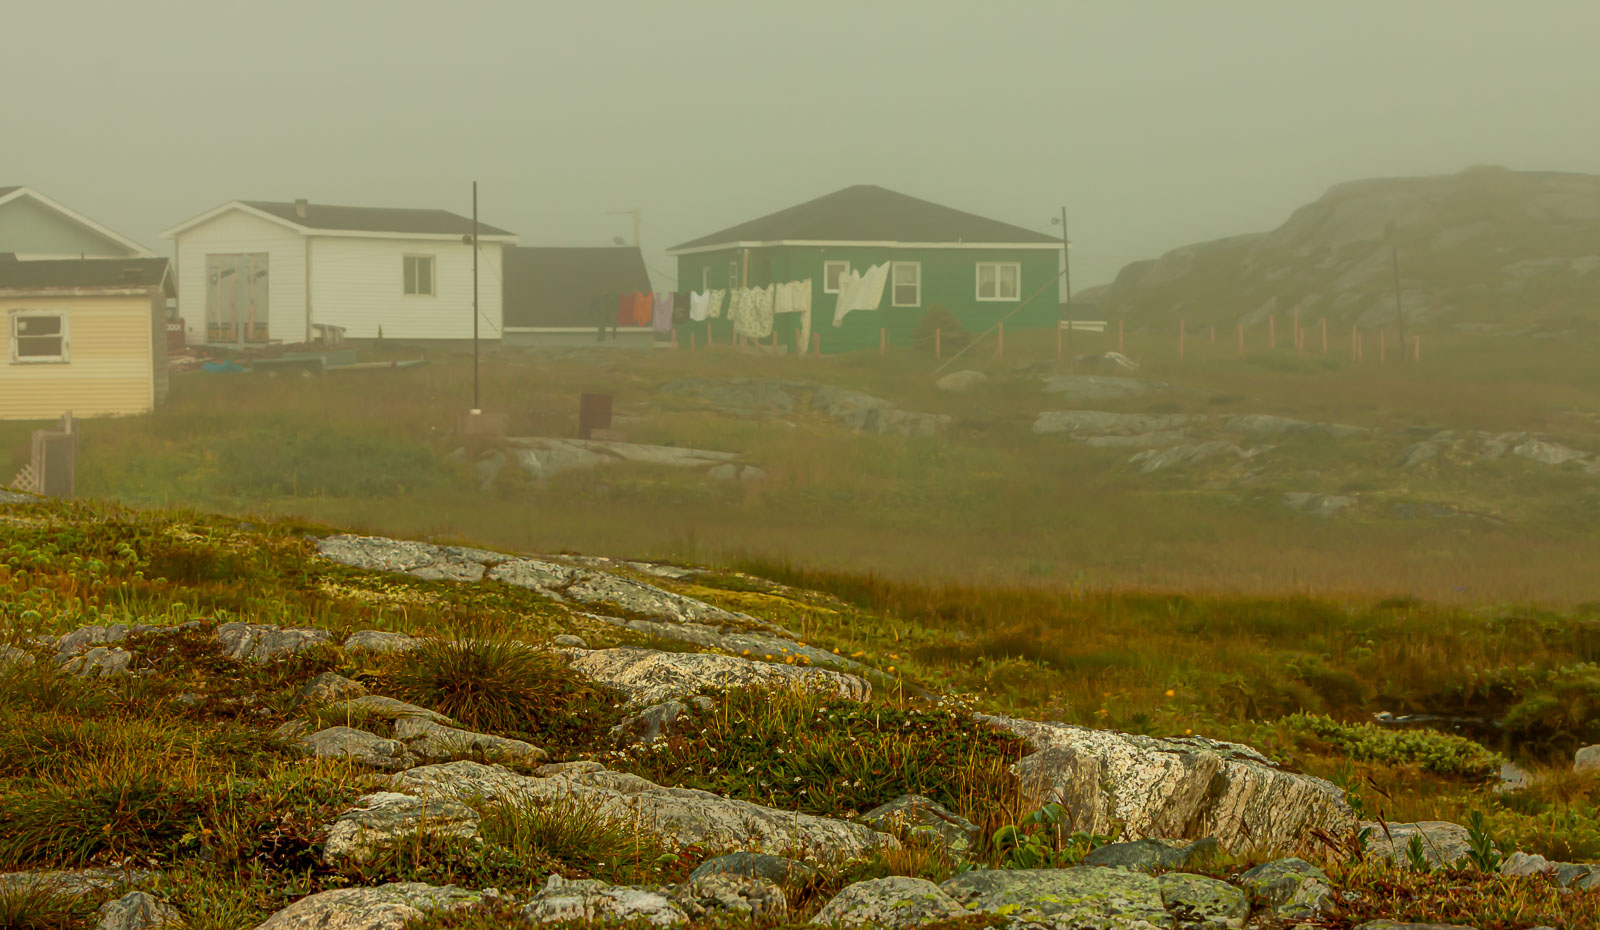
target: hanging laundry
<point>849,285</point>
<point>783,298</point>
<point>751,311</point>
<point>698,302</point>
<point>871,292</point>
<point>715,303</point>
<point>661,312</point>
<point>644,307</point>
<point>802,306</point>
<point>625,310</point>
<point>680,307</point>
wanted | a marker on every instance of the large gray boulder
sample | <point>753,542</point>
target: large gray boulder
<point>1292,889</point>
<point>896,902</point>
<point>682,815</point>
<point>1084,896</point>
<point>1150,855</point>
<point>1586,761</point>
<point>356,746</point>
<point>589,901</point>
<point>377,706</point>
<point>1443,843</point>
<point>381,642</point>
<point>1197,902</point>
<point>775,869</point>
<point>913,816</point>
<point>259,642</point>
<point>380,820</point>
<point>731,895</point>
<point>962,382</point>
<point>434,742</point>
<point>100,662</point>
<point>1102,422</point>
<point>136,910</point>
<point>77,882</point>
<point>384,907</point>
<point>1176,788</point>
<point>329,687</point>
<point>648,676</point>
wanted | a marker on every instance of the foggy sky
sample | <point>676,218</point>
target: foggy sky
<point>1155,123</point>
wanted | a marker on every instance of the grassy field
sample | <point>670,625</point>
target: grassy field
<point>987,501</point>
<point>173,768</point>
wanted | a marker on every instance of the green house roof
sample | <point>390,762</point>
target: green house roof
<point>868,213</point>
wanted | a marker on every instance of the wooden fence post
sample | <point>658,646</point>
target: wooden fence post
<point>883,340</point>
<point>1180,338</point>
<point>1272,330</point>
<point>938,343</point>
<point>1058,337</point>
<point>816,343</point>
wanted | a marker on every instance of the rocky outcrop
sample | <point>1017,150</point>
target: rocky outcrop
<point>1197,902</point>
<point>962,382</point>
<point>434,742</point>
<point>1181,788</point>
<point>329,687</point>
<point>1113,899</point>
<point>658,721</point>
<point>1150,855</point>
<point>857,411</point>
<point>384,907</point>
<point>775,869</point>
<point>1586,761</point>
<point>1292,889</point>
<point>256,642</point>
<point>77,882</point>
<point>650,677</point>
<point>681,815</point>
<point>383,819</point>
<point>726,895</point>
<point>1100,387</point>
<point>384,708</point>
<point>544,457</point>
<point>1443,843</point>
<point>380,642</point>
<point>100,662</point>
<point>358,746</point>
<point>564,902</point>
<point>896,902</point>
<point>1189,453</point>
<point>914,817</point>
<point>136,910</point>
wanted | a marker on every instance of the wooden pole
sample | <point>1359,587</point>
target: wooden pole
<point>1416,342</point>
<point>1213,332</point>
<point>691,342</point>
<point>1181,326</point>
<point>816,342</point>
<point>883,341</point>
<point>1058,337</point>
<point>938,347</point>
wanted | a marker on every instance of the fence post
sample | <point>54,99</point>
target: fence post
<point>1181,327</point>
<point>816,343</point>
<point>938,340</point>
<point>1058,337</point>
<point>883,340</point>
<point>1416,341</point>
<point>1213,332</point>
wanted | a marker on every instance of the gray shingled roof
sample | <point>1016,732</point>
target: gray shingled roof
<point>569,286</point>
<point>867,213</point>
<point>376,219</point>
<point>82,272</point>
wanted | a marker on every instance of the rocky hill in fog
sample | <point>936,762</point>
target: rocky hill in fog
<point>1487,248</point>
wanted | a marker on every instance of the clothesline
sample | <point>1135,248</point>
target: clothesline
<point>752,310</point>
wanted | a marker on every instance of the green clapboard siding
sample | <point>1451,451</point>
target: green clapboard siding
<point>949,279</point>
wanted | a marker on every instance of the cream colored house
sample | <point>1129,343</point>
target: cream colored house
<point>83,335</point>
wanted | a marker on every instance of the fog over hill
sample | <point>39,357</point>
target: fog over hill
<point>1487,248</point>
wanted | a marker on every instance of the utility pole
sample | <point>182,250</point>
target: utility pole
<point>1399,312</point>
<point>637,215</point>
<point>1066,259</point>
<point>476,407</point>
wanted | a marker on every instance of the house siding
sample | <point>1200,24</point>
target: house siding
<point>109,370</point>
<point>33,230</point>
<point>236,232</point>
<point>358,283</point>
<point>949,279</point>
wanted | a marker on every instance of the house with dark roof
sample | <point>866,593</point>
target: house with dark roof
<point>981,270</point>
<point>568,296</point>
<point>252,272</point>
<point>32,226</point>
<point>86,335</point>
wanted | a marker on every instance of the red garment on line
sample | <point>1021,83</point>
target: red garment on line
<point>643,309</point>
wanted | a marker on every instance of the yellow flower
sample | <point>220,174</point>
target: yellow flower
<point>1187,732</point>
<point>1171,693</point>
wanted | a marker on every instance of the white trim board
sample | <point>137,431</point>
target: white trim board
<point>844,243</point>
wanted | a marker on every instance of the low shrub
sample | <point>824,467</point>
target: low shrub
<point>1439,753</point>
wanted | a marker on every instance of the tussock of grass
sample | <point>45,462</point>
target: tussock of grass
<point>820,755</point>
<point>31,907</point>
<point>503,687</point>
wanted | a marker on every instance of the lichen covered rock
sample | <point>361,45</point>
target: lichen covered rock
<point>1084,896</point>
<point>380,820</point>
<point>896,902</point>
<point>384,907</point>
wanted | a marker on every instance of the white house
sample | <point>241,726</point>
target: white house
<point>271,272</point>
<point>32,226</point>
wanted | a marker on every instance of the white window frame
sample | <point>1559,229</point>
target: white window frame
<point>733,275</point>
<point>17,316</point>
<point>433,275</point>
<point>894,284</point>
<point>844,269</point>
<point>977,282</point>
<point>705,278</point>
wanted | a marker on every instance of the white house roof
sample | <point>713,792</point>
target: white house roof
<point>18,192</point>
<point>331,220</point>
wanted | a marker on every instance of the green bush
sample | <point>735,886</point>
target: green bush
<point>1439,753</point>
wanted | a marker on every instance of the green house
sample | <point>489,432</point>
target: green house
<point>979,269</point>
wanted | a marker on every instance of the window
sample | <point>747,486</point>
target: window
<point>999,280</point>
<point>236,297</point>
<point>907,284</point>
<point>705,278</point>
<point>38,336</point>
<point>831,273</point>
<point>733,275</point>
<point>419,274</point>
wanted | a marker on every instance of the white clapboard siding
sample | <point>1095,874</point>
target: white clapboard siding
<point>359,284</point>
<point>235,232</point>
